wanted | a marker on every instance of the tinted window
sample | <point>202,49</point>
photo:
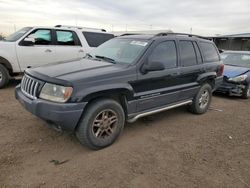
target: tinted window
<point>198,52</point>
<point>165,52</point>
<point>65,38</point>
<point>209,52</point>
<point>188,56</point>
<point>41,36</point>
<point>96,39</point>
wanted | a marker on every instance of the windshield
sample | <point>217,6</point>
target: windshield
<point>17,35</point>
<point>120,50</point>
<point>235,59</point>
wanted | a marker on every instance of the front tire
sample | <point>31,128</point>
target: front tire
<point>202,100</point>
<point>4,76</point>
<point>246,92</point>
<point>101,124</point>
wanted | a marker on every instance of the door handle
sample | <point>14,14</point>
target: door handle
<point>81,51</point>
<point>48,50</point>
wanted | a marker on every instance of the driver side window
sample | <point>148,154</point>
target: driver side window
<point>41,36</point>
<point>165,53</point>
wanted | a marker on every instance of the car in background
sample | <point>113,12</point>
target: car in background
<point>236,73</point>
<point>35,46</point>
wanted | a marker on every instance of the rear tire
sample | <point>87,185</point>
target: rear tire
<point>101,124</point>
<point>246,92</point>
<point>202,100</point>
<point>4,76</point>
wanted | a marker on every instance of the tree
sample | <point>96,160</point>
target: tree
<point>1,37</point>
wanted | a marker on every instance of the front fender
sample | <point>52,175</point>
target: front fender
<point>86,94</point>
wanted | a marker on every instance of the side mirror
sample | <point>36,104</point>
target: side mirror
<point>152,66</point>
<point>29,41</point>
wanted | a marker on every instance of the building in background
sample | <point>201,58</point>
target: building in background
<point>239,42</point>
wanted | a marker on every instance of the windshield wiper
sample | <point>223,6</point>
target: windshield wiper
<point>88,55</point>
<point>110,60</point>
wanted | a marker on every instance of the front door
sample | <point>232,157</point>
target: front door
<point>159,88</point>
<point>42,52</point>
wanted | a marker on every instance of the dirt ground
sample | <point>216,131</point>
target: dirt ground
<point>171,149</point>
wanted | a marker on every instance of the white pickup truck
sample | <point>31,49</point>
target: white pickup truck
<point>35,46</point>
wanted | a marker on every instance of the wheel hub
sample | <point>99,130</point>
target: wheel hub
<point>204,99</point>
<point>248,91</point>
<point>1,77</point>
<point>104,124</point>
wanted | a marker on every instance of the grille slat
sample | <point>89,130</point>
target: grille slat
<point>29,86</point>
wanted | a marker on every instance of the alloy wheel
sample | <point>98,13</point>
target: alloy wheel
<point>248,91</point>
<point>1,77</point>
<point>104,124</point>
<point>204,99</point>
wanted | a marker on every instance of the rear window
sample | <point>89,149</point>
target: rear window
<point>96,39</point>
<point>209,52</point>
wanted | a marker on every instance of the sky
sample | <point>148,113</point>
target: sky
<point>203,17</point>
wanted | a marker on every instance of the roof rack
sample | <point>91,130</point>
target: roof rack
<point>76,27</point>
<point>184,34</point>
<point>128,34</point>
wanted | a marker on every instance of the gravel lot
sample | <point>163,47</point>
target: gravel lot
<point>170,149</point>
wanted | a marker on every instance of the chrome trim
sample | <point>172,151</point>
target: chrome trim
<point>158,110</point>
<point>29,86</point>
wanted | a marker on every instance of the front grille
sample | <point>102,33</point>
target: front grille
<point>30,86</point>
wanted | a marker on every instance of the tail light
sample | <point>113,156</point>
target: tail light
<point>221,70</point>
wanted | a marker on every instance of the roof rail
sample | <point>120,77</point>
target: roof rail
<point>184,34</point>
<point>76,27</point>
<point>128,34</point>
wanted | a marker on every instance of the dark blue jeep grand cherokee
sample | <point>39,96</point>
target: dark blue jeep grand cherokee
<point>122,80</point>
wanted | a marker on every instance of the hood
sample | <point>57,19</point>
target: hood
<point>233,71</point>
<point>6,43</point>
<point>76,70</point>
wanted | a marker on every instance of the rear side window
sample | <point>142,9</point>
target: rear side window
<point>187,52</point>
<point>66,38</point>
<point>198,52</point>
<point>209,52</point>
<point>96,39</point>
<point>165,53</point>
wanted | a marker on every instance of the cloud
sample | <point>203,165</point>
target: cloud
<point>204,17</point>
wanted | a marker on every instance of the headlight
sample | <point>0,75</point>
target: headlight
<point>55,93</point>
<point>240,78</point>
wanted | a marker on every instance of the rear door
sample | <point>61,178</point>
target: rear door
<point>68,45</point>
<point>191,68</point>
<point>42,52</point>
<point>158,88</point>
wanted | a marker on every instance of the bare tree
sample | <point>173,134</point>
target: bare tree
<point>1,36</point>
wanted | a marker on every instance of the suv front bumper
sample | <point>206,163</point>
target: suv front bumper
<point>64,116</point>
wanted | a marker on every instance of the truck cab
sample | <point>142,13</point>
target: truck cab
<point>36,46</point>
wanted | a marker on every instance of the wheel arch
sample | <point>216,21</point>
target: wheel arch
<point>121,95</point>
<point>6,64</point>
<point>207,78</point>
